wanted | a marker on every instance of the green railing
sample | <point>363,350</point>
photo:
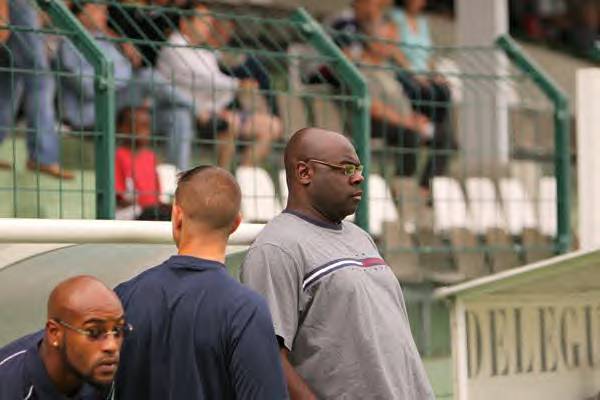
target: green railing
<point>104,103</point>
<point>214,86</point>
<point>562,145</point>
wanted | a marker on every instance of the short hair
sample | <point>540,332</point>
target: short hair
<point>209,196</point>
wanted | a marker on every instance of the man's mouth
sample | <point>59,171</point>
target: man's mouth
<point>357,195</point>
<point>108,366</point>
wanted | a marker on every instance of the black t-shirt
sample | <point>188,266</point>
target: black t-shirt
<point>198,334</point>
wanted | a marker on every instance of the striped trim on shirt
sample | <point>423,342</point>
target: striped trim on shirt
<point>12,356</point>
<point>326,269</point>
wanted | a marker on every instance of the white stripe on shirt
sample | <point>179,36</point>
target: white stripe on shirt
<point>29,394</point>
<point>12,356</point>
<point>323,271</point>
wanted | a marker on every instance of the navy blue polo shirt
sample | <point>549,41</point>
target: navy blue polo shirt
<point>198,334</point>
<point>23,374</point>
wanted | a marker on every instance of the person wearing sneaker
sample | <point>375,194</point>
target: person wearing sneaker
<point>24,50</point>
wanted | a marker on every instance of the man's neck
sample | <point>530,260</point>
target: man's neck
<point>65,382</point>
<point>309,211</point>
<point>203,247</point>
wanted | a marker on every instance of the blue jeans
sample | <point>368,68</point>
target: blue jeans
<point>26,50</point>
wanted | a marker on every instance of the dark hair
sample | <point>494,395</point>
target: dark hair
<point>128,112</point>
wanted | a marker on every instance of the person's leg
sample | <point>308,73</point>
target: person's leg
<point>39,87</point>
<point>441,148</point>
<point>403,144</point>
<point>262,129</point>
<point>420,94</point>
<point>11,90</point>
<point>441,101</point>
<point>253,68</point>
<point>177,124</point>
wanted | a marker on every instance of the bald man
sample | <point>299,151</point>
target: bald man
<point>78,355</point>
<point>199,333</point>
<point>337,308</point>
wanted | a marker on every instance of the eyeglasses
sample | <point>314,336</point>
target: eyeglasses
<point>349,169</point>
<point>97,333</point>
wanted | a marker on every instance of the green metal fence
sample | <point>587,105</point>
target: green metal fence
<point>470,170</point>
<point>468,162</point>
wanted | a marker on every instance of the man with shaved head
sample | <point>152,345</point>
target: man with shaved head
<point>199,333</point>
<point>77,355</point>
<point>337,308</point>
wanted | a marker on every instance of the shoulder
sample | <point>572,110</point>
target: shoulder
<point>244,303</point>
<point>282,231</point>
<point>149,284</point>
<point>12,369</point>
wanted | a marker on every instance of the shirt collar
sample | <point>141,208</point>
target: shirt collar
<point>328,225</point>
<point>193,263</point>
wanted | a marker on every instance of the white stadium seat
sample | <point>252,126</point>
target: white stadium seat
<point>259,202</point>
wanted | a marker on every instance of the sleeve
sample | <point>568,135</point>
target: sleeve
<point>80,76</point>
<point>190,67</point>
<point>272,272</point>
<point>254,363</point>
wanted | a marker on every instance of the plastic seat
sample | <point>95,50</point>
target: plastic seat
<point>167,178</point>
<point>259,202</point>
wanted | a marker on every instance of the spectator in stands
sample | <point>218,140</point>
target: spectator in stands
<point>241,65</point>
<point>136,180</point>
<point>429,93</point>
<point>23,51</point>
<point>174,116</point>
<point>148,21</point>
<point>196,72</point>
<point>391,114</point>
<point>350,24</point>
<point>76,355</point>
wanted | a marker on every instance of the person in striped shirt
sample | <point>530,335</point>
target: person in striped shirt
<point>337,308</point>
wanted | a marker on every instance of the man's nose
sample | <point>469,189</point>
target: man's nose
<point>357,178</point>
<point>111,343</point>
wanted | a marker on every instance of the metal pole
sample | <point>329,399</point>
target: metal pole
<point>562,145</point>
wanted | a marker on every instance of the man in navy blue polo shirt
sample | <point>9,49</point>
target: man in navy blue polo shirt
<point>77,354</point>
<point>199,334</point>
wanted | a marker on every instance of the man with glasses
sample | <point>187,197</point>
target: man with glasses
<point>337,308</point>
<point>77,354</point>
<point>200,334</point>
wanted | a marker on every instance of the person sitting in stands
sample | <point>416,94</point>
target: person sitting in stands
<point>428,92</point>
<point>196,72</point>
<point>136,180</point>
<point>22,51</point>
<point>391,114</point>
<point>174,115</point>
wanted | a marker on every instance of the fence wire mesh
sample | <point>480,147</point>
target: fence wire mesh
<point>463,162</point>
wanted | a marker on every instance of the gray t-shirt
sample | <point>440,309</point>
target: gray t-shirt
<point>338,308</point>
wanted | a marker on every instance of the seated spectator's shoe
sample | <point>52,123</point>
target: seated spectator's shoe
<point>53,170</point>
<point>5,165</point>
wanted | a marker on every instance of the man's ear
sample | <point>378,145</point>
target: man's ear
<point>176,216</point>
<point>304,173</point>
<point>54,333</point>
<point>236,223</point>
